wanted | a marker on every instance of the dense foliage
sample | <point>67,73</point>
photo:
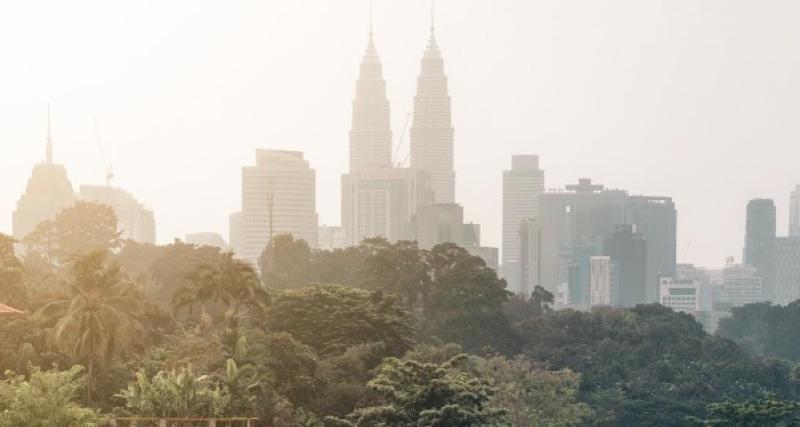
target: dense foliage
<point>377,334</point>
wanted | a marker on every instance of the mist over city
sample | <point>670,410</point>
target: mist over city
<point>421,213</point>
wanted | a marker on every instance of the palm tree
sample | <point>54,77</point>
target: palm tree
<point>231,283</point>
<point>101,315</point>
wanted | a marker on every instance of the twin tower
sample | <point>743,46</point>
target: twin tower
<point>380,198</point>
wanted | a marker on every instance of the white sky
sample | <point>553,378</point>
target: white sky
<point>694,99</point>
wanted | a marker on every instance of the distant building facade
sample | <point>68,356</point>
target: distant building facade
<point>522,186</point>
<point>134,220</point>
<point>739,285</point>
<point>278,197</point>
<point>628,253</point>
<point>48,192</point>
<point>759,249</point>
<point>601,281</point>
<point>787,270</point>
<point>330,237</point>
<point>682,295</point>
<point>794,213</point>
<point>432,134</point>
<point>236,233</point>
<point>656,220</point>
<point>528,263</point>
<point>207,239</point>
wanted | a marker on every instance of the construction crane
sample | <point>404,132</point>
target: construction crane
<point>109,174</point>
<point>400,140</point>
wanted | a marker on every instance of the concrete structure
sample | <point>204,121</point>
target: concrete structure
<point>787,270</point>
<point>370,133</point>
<point>759,249</point>
<point>330,237</point>
<point>382,202</point>
<point>577,258</point>
<point>47,192</point>
<point>656,220</point>
<point>236,232</point>
<point>628,253</point>
<point>522,186</point>
<point>583,214</point>
<point>681,295</point>
<point>794,213</point>
<point>439,223</point>
<point>278,197</point>
<point>528,265</point>
<point>601,282</point>
<point>739,285</point>
<point>134,220</point>
<point>432,134</point>
<point>207,239</point>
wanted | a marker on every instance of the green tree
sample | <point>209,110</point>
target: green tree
<point>398,268</point>
<point>45,399</point>
<point>286,263</point>
<point>101,315</point>
<point>410,393</point>
<point>77,230</point>
<point>465,302</point>
<point>332,318</point>
<point>175,393</point>
<point>766,411</point>
<point>12,287</point>
<point>231,284</point>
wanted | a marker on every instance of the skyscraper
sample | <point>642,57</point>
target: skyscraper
<point>628,253</point>
<point>655,219</point>
<point>432,135</point>
<point>759,243</point>
<point>522,186</point>
<point>48,191</point>
<point>278,197</point>
<point>787,270</point>
<point>794,213</point>
<point>134,220</point>
<point>370,134</point>
<point>378,200</point>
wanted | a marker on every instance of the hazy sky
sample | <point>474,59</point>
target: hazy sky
<point>698,100</point>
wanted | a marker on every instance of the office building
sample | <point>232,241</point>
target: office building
<point>759,249</point>
<point>739,285</point>
<point>601,281</point>
<point>278,197</point>
<point>682,295</point>
<point>47,192</point>
<point>236,233</point>
<point>522,186</point>
<point>134,221</point>
<point>330,237</point>
<point>528,265</point>
<point>655,219</point>
<point>628,253</point>
<point>787,270</point>
<point>794,213</point>
<point>207,239</point>
<point>432,134</point>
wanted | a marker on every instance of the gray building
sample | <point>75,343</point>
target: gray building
<point>522,186</point>
<point>759,241</point>
<point>655,219</point>
<point>787,270</point>
<point>794,213</point>
<point>628,253</point>
<point>134,220</point>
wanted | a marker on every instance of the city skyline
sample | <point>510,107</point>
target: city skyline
<point>711,230</point>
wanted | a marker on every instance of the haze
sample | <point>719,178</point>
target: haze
<point>691,99</point>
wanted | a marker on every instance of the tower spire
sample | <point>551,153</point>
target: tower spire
<point>49,155</point>
<point>370,19</point>
<point>433,22</point>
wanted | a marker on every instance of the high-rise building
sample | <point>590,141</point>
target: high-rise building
<point>787,270</point>
<point>382,202</point>
<point>602,281</point>
<point>432,134</point>
<point>370,133</point>
<point>278,197</point>
<point>378,200</point>
<point>655,219</point>
<point>48,191</point>
<point>134,220</point>
<point>794,213</point>
<point>681,295</point>
<point>739,285</point>
<point>628,253</point>
<point>522,186</point>
<point>759,243</point>
<point>583,214</point>
<point>528,264</point>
